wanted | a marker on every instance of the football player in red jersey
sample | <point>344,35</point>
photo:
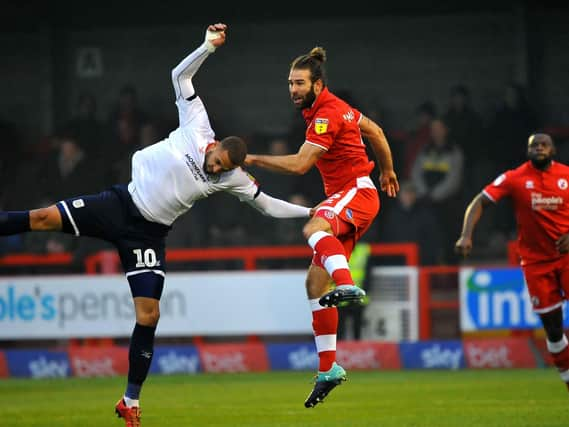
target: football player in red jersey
<point>334,144</point>
<point>539,189</point>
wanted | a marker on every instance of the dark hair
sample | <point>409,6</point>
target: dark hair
<point>313,61</point>
<point>236,148</point>
<point>427,107</point>
<point>460,89</point>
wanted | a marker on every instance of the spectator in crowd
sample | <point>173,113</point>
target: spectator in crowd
<point>128,108</point>
<point>68,171</point>
<point>437,176</point>
<point>420,225</point>
<point>10,159</point>
<point>419,136</point>
<point>465,124</point>
<point>124,126</point>
<point>513,120</point>
<point>88,129</point>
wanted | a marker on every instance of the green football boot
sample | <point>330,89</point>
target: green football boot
<point>325,382</point>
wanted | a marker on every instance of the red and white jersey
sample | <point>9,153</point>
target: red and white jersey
<point>333,125</point>
<point>541,205</point>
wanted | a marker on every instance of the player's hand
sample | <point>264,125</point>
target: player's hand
<point>215,34</point>
<point>463,246</point>
<point>248,160</point>
<point>562,244</point>
<point>388,183</point>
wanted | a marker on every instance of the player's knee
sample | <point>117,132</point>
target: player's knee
<point>148,317</point>
<point>45,219</point>
<point>313,226</point>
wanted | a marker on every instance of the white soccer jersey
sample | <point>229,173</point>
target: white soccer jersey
<point>168,176</point>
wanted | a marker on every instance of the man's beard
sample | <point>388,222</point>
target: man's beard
<point>308,100</point>
<point>542,163</point>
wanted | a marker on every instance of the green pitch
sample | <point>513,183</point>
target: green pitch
<point>500,398</point>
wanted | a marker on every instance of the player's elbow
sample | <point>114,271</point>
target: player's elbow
<point>301,168</point>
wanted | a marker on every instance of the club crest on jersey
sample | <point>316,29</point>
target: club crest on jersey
<point>329,214</point>
<point>78,203</point>
<point>562,183</point>
<point>529,184</point>
<point>252,178</point>
<point>349,214</point>
<point>320,126</point>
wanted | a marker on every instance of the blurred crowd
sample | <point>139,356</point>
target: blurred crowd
<point>443,158</point>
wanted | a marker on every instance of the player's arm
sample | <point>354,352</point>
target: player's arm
<point>296,164</point>
<point>373,133</point>
<point>278,208</point>
<point>245,187</point>
<point>472,215</point>
<point>182,74</point>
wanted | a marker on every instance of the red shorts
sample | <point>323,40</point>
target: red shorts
<point>350,213</point>
<point>547,283</point>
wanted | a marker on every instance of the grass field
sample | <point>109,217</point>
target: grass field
<point>501,398</point>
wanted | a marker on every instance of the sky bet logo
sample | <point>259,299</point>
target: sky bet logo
<point>17,306</point>
<point>497,299</point>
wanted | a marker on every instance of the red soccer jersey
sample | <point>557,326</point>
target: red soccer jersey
<point>333,126</point>
<point>540,200</point>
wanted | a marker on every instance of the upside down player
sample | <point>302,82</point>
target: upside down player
<point>539,189</point>
<point>335,146</point>
<point>167,179</point>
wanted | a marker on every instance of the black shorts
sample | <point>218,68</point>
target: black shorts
<point>112,216</point>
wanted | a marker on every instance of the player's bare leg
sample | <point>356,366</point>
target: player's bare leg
<point>43,219</point>
<point>325,327</point>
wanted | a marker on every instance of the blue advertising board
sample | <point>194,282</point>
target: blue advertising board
<point>175,359</point>
<point>496,298</point>
<point>432,355</point>
<point>38,363</point>
<point>297,356</point>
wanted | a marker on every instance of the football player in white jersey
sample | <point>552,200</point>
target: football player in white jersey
<point>168,177</point>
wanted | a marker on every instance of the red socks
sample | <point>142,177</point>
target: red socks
<point>331,256</point>
<point>325,326</point>
<point>560,354</point>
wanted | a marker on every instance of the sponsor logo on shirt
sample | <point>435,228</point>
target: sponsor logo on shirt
<point>195,169</point>
<point>320,126</point>
<point>539,202</point>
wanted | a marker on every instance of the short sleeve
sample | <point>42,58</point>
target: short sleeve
<point>322,129</point>
<point>499,188</point>
<point>242,185</point>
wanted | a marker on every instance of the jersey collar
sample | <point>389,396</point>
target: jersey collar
<point>325,95</point>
